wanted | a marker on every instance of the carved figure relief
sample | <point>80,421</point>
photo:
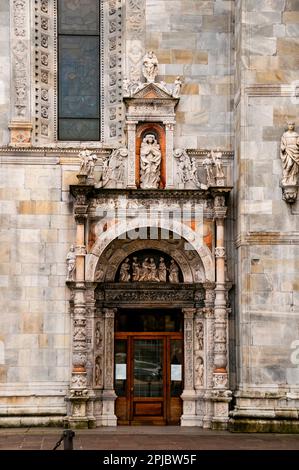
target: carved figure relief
<point>149,269</point>
<point>114,169</point>
<point>289,154</point>
<point>87,163</point>
<point>150,162</point>
<point>214,168</point>
<point>150,67</point>
<point>173,272</point>
<point>198,371</point>
<point>98,372</point>
<point>71,264</point>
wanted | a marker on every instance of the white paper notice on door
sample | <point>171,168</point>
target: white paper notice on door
<point>120,371</point>
<point>176,372</point>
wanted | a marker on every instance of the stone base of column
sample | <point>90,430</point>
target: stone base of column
<point>189,417</point>
<point>78,418</point>
<point>107,417</point>
<point>221,410</point>
<point>20,134</point>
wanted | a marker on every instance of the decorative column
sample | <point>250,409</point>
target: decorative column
<point>208,313</point>
<point>188,396</point>
<point>220,377</point>
<point>79,393</point>
<point>108,396</point>
<point>90,356</point>
<point>131,130</point>
<point>169,128</point>
<point>20,125</point>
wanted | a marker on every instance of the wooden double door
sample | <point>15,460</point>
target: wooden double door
<point>148,377</point>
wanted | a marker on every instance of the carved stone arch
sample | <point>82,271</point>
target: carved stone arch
<point>190,237</point>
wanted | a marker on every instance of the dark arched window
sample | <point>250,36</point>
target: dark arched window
<point>79,69</point>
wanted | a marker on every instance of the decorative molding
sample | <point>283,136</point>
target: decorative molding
<point>267,238</point>
<point>273,90</point>
<point>150,295</point>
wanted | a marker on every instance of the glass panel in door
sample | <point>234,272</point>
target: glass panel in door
<point>148,368</point>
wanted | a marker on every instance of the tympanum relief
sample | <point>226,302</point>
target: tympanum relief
<point>149,267</point>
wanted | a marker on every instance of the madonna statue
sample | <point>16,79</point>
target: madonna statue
<point>150,163</point>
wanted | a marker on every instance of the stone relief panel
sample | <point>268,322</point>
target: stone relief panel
<point>135,38</point>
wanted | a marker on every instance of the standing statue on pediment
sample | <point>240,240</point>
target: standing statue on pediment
<point>71,264</point>
<point>176,91</point>
<point>150,162</point>
<point>217,159</point>
<point>150,67</point>
<point>87,163</point>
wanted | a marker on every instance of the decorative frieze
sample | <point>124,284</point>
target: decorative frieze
<point>135,35</point>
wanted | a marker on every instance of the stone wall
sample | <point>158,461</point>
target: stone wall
<point>36,231</point>
<point>193,39</point>
<point>267,267</point>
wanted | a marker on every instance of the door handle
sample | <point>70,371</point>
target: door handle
<point>132,389</point>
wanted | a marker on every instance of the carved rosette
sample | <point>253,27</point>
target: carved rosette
<point>220,252</point>
<point>20,125</point>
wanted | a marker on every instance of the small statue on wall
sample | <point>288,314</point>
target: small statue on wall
<point>150,163</point>
<point>71,264</point>
<point>217,159</point>
<point>176,91</point>
<point>289,154</point>
<point>150,67</point>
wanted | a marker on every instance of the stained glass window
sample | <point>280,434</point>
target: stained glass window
<point>79,69</point>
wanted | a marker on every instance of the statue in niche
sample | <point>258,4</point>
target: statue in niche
<point>150,67</point>
<point>217,159</point>
<point>153,272</point>
<point>114,172</point>
<point>87,163</point>
<point>173,272</point>
<point>150,162</point>
<point>71,264</point>
<point>136,270</point>
<point>124,274</point>
<point>199,371</point>
<point>97,374</point>
<point>289,154</point>
<point>162,270</point>
<point>176,91</point>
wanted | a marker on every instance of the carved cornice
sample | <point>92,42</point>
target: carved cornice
<point>273,90</point>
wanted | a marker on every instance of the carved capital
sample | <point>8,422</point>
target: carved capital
<point>189,312</point>
<point>109,312</point>
<point>20,134</point>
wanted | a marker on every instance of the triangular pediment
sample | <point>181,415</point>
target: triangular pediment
<point>152,91</point>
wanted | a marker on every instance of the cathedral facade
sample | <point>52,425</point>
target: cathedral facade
<point>149,213</point>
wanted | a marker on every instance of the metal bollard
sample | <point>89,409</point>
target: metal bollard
<point>68,436</point>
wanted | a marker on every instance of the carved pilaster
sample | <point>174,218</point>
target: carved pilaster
<point>131,130</point>
<point>108,417</point>
<point>169,128</point>
<point>20,125</point>
<point>112,76</point>
<point>189,396</point>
